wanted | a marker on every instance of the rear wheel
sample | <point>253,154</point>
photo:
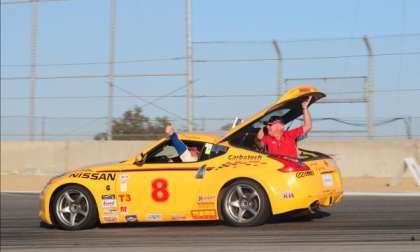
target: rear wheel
<point>74,208</point>
<point>245,203</point>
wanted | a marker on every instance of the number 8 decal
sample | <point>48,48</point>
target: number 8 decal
<point>159,192</point>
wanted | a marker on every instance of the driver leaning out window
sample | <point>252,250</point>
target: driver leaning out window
<point>186,154</point>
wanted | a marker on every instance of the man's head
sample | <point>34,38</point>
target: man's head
<point>194,151</point>
<point>275,125</point>
<point>191,155</point>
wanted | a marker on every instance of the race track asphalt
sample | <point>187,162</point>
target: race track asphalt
<point>359,223</point>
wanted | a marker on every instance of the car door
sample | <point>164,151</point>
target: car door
<point>161,187</point>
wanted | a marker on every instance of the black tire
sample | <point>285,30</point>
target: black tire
<point>74,208</point>
<point>249,208</point>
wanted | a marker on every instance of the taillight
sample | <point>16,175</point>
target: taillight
<point>292,166</point>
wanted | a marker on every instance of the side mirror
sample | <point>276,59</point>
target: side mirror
<point>200,172</point>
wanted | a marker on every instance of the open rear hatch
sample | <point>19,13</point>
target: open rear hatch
<point>288,107</point>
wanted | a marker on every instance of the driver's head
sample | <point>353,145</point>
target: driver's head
<point>275,125</point>
<point>194,151</point>
<point>191,155</point>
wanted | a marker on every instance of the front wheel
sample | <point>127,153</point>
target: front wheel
<point>245,203</point>
<point>74,208</point>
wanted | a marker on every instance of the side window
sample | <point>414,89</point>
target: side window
<point>212,150</point>
<point>164,153</point>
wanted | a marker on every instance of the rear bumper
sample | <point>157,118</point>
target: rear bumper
<point>325,199</point>
<point>306,191</point>
<point>330,198</point>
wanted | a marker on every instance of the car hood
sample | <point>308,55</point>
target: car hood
<point>290,100</point>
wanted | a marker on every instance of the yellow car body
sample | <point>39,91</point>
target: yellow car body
<point>140,191</point>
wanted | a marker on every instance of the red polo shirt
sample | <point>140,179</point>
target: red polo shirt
<point>286,145</point>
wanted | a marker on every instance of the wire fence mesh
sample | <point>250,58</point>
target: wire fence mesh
<point>231,78</point>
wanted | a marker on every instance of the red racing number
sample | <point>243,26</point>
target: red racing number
<point>159,192</point>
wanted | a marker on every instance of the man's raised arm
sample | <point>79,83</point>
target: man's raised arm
<point>307,120</point>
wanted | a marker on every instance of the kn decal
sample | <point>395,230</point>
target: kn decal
<point>287,195</point>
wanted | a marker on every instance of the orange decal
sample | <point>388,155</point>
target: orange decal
<point>124,197</point>
<point>208,214</point>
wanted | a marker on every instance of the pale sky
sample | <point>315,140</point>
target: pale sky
<point>77,31</point>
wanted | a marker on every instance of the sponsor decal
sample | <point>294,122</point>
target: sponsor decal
<point>206,205</point>
<point>202,198</point>
<point>153,217</point>
<point>208,214</point>
<point>108,201</point>
<point>178,217</point>
<point>206,201</point>
<point>108,196</point>
<point>110,211</point>
<point>123,209</point>
<point>94,175</point>
<point>302,174</point>
<point>244,157</point>
<point>287,195</point>
<point>124,197</point>
<point>110,218</point>
<point>131,218</point>
<point>123,182</point>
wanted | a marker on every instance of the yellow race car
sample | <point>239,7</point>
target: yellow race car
<point>233,180</point>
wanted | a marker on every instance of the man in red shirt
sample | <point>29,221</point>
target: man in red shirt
<point>281,142</point>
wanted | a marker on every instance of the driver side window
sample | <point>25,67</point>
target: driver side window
<point>166,152</point>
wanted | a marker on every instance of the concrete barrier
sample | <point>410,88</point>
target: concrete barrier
<point>49,158</point>
<point>373,158</point>
<point>356,158</point>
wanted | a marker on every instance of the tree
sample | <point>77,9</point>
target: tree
<point>135,126</point>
